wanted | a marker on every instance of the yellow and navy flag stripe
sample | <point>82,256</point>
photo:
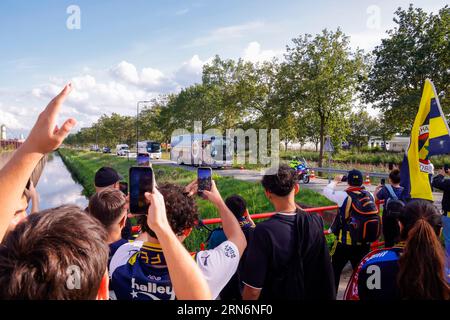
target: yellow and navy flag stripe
<point>430,136</point>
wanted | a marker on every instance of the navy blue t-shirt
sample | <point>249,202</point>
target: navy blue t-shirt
<point>384,194</point>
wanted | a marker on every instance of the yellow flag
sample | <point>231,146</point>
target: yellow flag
<point>430,135</point>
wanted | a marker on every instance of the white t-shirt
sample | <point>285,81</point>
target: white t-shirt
<point>217,265</point>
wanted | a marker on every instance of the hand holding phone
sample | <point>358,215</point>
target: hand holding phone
<point>204,179</point>
<point>446,168</point>
<point>142,180</point>
<point>157,217</point>
<point>344,179</point>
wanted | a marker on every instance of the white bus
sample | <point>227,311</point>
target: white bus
<point>202,150</point>
<point>153,149</point>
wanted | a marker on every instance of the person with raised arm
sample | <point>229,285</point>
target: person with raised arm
<point>45,137</point>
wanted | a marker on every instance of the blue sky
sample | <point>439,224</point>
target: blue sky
<point>129,50</point>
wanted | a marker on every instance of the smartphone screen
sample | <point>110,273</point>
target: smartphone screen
<point>344,179</point>
<point>123,186</point>
<point>446,167</point>
<point>141,181</point>
<point>204,175</point>
<point>143,160</point>
<point>383,181</point>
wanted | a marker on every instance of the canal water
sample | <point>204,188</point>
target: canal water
<point>57,187</point>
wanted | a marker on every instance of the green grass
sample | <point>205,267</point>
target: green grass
<point>83,166</point>
<point>353,157</point>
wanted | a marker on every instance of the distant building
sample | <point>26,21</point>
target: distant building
<point>2,132</point>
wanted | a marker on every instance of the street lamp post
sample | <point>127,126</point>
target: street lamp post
<point>137,123</point>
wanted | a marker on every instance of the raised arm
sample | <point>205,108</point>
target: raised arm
<point>187,279</point>
<point>230,225</point>
<point>43,138</point>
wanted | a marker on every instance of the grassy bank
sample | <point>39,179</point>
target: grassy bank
<point>83,166</point>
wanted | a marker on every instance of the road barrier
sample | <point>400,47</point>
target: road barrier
<point>318,210</point>
<point>258,216</point>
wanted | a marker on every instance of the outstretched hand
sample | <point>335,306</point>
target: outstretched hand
<point>156,217</point>
<point>46,136</point>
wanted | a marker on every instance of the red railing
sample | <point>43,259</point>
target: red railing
<point>258,216</point>
<point>318,210</point>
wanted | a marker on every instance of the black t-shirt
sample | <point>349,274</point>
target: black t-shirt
<point>271,248</point>
<point>275,243</point>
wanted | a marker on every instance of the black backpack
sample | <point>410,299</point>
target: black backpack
<point>393,206</point>
<point>309,275</point>
<point>362,218</point>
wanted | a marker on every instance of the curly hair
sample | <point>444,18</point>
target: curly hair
<point>180,208</point>
<point>282,183</point>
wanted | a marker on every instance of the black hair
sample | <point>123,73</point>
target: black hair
<point>282,183</point>
<point>394,175</point>
<point>237,205</point>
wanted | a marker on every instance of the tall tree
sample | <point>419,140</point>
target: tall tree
<point>416,49</point>
<point>323,75</point>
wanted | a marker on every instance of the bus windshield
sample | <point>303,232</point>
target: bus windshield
<point>153,147</point>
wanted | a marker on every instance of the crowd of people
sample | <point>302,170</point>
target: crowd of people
<point>91,253</point>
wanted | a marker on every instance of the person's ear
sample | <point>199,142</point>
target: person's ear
<point>268,194</point>
<point>296,188</point>
<point>117,185</point>
<point>123,221</point>
<point>103,290</point>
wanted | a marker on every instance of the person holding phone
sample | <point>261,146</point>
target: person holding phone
<point>110,207</point>
<point>442,182</point>
<point>140,270</point>
<point>109,178</point>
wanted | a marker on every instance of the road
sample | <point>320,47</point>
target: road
<point>316,184</point>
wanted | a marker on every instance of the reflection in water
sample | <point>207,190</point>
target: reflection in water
<point>56,186</point>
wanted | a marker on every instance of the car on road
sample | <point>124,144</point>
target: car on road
<point>122,150</point>
<point>106,150</point>
<point>95,148</point>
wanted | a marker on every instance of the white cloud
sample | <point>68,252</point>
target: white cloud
<point>227,33</point>
<point>97,92</point>
<point>126,71</point>
<point>367,40</point>
<point>253,53</point>
<point>10,120</point>
<point>190,71</point>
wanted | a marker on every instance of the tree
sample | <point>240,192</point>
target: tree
<point>322,75</point>
<point>416,49</point>
<point>362,126</point>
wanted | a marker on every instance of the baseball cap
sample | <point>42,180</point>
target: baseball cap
<point>106,176</point>
<point>355,178</point>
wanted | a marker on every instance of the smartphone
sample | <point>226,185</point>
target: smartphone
<point>143,160</point>
<point>391,166</point>
<point>123,186</point>
<point>446,167</point>
<point>383,181</point>
<point>204,178</point>
<point>344,179</point>
<point>141,181</point>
